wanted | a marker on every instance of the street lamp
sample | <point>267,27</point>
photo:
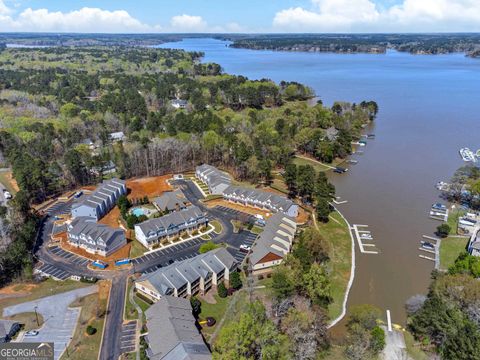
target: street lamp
<point>36,315</point>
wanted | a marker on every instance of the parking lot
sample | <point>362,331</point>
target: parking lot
<point>75,259</point>
<point>236,213</point>
<point>54,272</point>
<point>59,320</point>
<point>59,208</point>
<point>243,238</point>
<point>128,337</point>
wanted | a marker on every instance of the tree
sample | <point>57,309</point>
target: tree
<point>69,110</point>
<point>443,230</point>
<point>206,247</point>
<point>322,209</point>
<point>290,177</point>
<point>222,290</point>
<point>317,285</point>
<point>265,167</point>
<point>306,181</point>
<point>196,306</point>
<point>251,336</point>
<point>282,285</point>
<point>377,339</point>
<point>366,315</point>
<point>235,280</point>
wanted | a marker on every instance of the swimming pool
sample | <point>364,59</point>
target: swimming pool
<point>138,212</point>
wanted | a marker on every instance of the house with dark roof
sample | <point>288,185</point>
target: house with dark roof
<point>164,229</point>
<point>188,277</point>
<point>8,329</point>
<point>217,181</point>
<point>272,244</point>
<point>172,332</point>
<point>261,199</point>
<point>171,201</point>
<point>101,201</point>
<point>86,233</point>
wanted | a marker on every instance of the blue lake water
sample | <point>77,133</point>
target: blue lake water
<point>429,109</point>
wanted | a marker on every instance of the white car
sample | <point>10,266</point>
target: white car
<point>245,248</point>
<point>7,194</point>
<point>31,333</point>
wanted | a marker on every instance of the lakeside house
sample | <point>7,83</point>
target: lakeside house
<point>179,103</point>
<point>8,329</point>
<point>100,201</point>
<point>188,277</point>
<point>474,242</point>
<point>95,238</point>
<point>219,183</point>
<point>117,136</point>
<point>168,227</point>
<point>216,181</point>
<point>272,244</point>
<point>171,201</point>
<point>261,199</point>
<point>172,331</point>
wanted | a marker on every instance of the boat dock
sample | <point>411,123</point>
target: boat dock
<point>363,238</point>
<point>432,254</point>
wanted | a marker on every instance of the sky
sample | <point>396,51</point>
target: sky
<point>244,16</point>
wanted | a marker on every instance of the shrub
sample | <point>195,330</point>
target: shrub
<point>378,339</point>
<point>222,290</point>
<point>91,330</point>
<point>443,230</point>
<point>208,246</point>
<point>196,306</point>
<point>235,280</point>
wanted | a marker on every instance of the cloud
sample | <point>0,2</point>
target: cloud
<point>188,23</point>
<point>83,20</point>
<point>366,16</point>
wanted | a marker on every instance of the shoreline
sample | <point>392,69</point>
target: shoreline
<point>352,275</point>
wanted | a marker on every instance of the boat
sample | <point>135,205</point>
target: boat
<point>442,185</point>
<point>427,245</point>
<point>371,136</point>
<point>467,222</point>
<point>437,214</point>
<point>467,155</point>
<point>438,206</point>
<point>340,170</point>
<point>352,161</point>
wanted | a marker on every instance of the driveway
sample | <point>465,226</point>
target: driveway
<point>59,320</point>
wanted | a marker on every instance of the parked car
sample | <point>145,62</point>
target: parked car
<point>245,248</point>
<point>170,261</point>
<point>7,194</point>
<point>78,194</point>
<point>31,333</point>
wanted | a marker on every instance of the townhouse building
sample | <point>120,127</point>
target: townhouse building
<point>166,228</point>
<point>188,277</point>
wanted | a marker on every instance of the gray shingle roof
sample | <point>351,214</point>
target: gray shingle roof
<point>178,274</point>
<point>270,200</point>
<point>171,200</point>
<point>99,196</point>
<point>276,237</point>
<point>104,237</point>
<point>171,221</point>
<point>172,333</point>
<point>213,176</point>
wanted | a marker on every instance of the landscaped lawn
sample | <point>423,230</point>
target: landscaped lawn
<point>338,235</point>
<point>217,226</point>
<point>137,249</point>
<point>130,313</point>
<point>453,217</point>
<point>450,248</point>
<point>29,291</point>
<point>318,167</point>
<point>28,319</point>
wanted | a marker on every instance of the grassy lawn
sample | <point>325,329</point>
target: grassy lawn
<point>206,237</point>
<point>28,320</point>
<point>450,248</point>
<point>94,307</point>
<point>453,220</point>
<point>256,229</point>
<point>137,249</point>
<point>30,291</point>
<point>130,313</point>
<point>415,352</point>
<point>317,166</point>
<point>338,235</point>
<point>217,226</point>
<point>213,310</point>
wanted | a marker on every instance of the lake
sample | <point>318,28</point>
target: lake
<point>429,109</point>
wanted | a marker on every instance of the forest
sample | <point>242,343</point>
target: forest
<point>362,43</point>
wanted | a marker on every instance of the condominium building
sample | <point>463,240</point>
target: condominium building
<point>188,277</point>
<point>166,228</point>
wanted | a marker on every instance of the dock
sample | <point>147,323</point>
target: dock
<point>435,252</point>
<point>358,231</point>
